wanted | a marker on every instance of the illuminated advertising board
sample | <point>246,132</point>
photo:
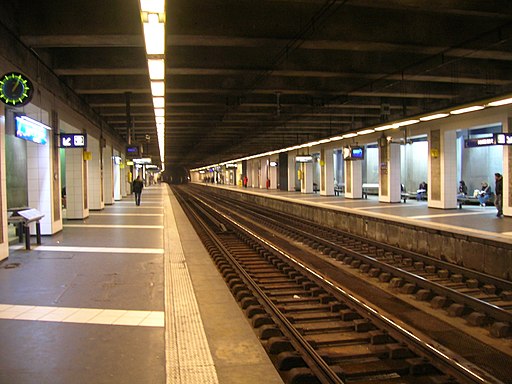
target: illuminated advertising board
<point>31,130</point>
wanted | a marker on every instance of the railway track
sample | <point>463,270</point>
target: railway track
<point>480,299</point>
<point>314,330</point>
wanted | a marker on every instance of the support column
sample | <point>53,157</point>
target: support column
<point>507,172</point>
<point>264,172</point>
<point>353,179</point>
<point>306,182</point>
<point>123,176</point>
<point>117,176</point>
<point>291,172</point>
<point>108,176</point>
<point>273,174</point>
<point>94,169</point>
<point>389,172</point>
<point>4,235</point>
<point>442,175</point>
<point>326,172</point>
<point>76,185</point>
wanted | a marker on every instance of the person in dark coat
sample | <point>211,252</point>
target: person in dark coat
<point>498,193</point>
<point>137,189</point>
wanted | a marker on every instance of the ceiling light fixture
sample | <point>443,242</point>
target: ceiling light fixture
<point>156,69</point>
<point>386,127</point>
<point>153,16</point>
<point>159,102</point>
<point>366,131</point>
<point>407,122</point>
<point>467,109</point>
<point>154,34</point>
<point>157,88</point>
<point>434,117</point>
<point>497,103</point>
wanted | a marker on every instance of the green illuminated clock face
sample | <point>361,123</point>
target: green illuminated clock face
<point>15,89</point>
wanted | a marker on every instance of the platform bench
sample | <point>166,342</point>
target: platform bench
<point>470,200</point>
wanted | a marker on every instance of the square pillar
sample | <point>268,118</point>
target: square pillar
<point>123,168</point>
<point>507,173</point>
<point>95,177</point>
<point>306,181</point>
<point>76,185</point>
<point>273,174</point>
<point>4,237</point>
<point>389,172</point>
<point>108,175</point>
<point>291,172</point>
<point>442,175</point>
<point>117,176</point>
<point>326,172</point>
<point>39,178</point>
<point>353,179</point>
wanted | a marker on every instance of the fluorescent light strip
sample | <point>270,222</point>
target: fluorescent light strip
<point>366,131</point>
<point>157,88</point>
<point>156,69</point>
<point>154,6</point>
<point>434,117</point>
<point>158,102</point>
<point>497,103</point>
<point>154,35</point>
<point>386,127</point>
<point>467,109</point>
<point>407,122</point>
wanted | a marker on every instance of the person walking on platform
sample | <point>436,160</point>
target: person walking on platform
<point>498,200</point>
<point>137,189</point>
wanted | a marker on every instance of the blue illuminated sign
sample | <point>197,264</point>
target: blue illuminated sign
<point>31,130</point>
<point>71,140</point>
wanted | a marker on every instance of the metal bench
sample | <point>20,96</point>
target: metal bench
<point>367,187</point>
<point>22,220</point>
<point>470,200</point>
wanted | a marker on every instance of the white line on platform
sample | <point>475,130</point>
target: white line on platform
<point>126,214</point>
<point>82,315</point>
<point>135,226</point>
<point>63,248</point>
<point>449,215</point>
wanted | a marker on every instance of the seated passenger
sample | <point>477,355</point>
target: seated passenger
<point>463,189</point>
<point>422,191</point>
<point>484,194</point>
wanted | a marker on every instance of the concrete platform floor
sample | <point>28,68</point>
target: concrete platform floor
<point>128,295</point>
<point>471,220</point>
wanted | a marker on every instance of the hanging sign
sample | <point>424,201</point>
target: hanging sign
<point>73,140</point>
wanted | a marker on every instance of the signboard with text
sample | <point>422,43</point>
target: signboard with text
<point>72,140</point>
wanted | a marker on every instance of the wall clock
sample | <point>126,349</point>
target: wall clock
<point>15,89</point>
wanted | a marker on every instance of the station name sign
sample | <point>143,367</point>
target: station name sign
<point>72,140</point>
<point>496,139</point>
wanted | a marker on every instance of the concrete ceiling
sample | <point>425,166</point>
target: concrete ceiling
<point>248,76</point>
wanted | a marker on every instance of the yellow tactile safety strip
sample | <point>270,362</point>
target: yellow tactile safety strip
<point>188,357</point>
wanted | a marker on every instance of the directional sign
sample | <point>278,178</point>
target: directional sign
<point>73,140</point>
